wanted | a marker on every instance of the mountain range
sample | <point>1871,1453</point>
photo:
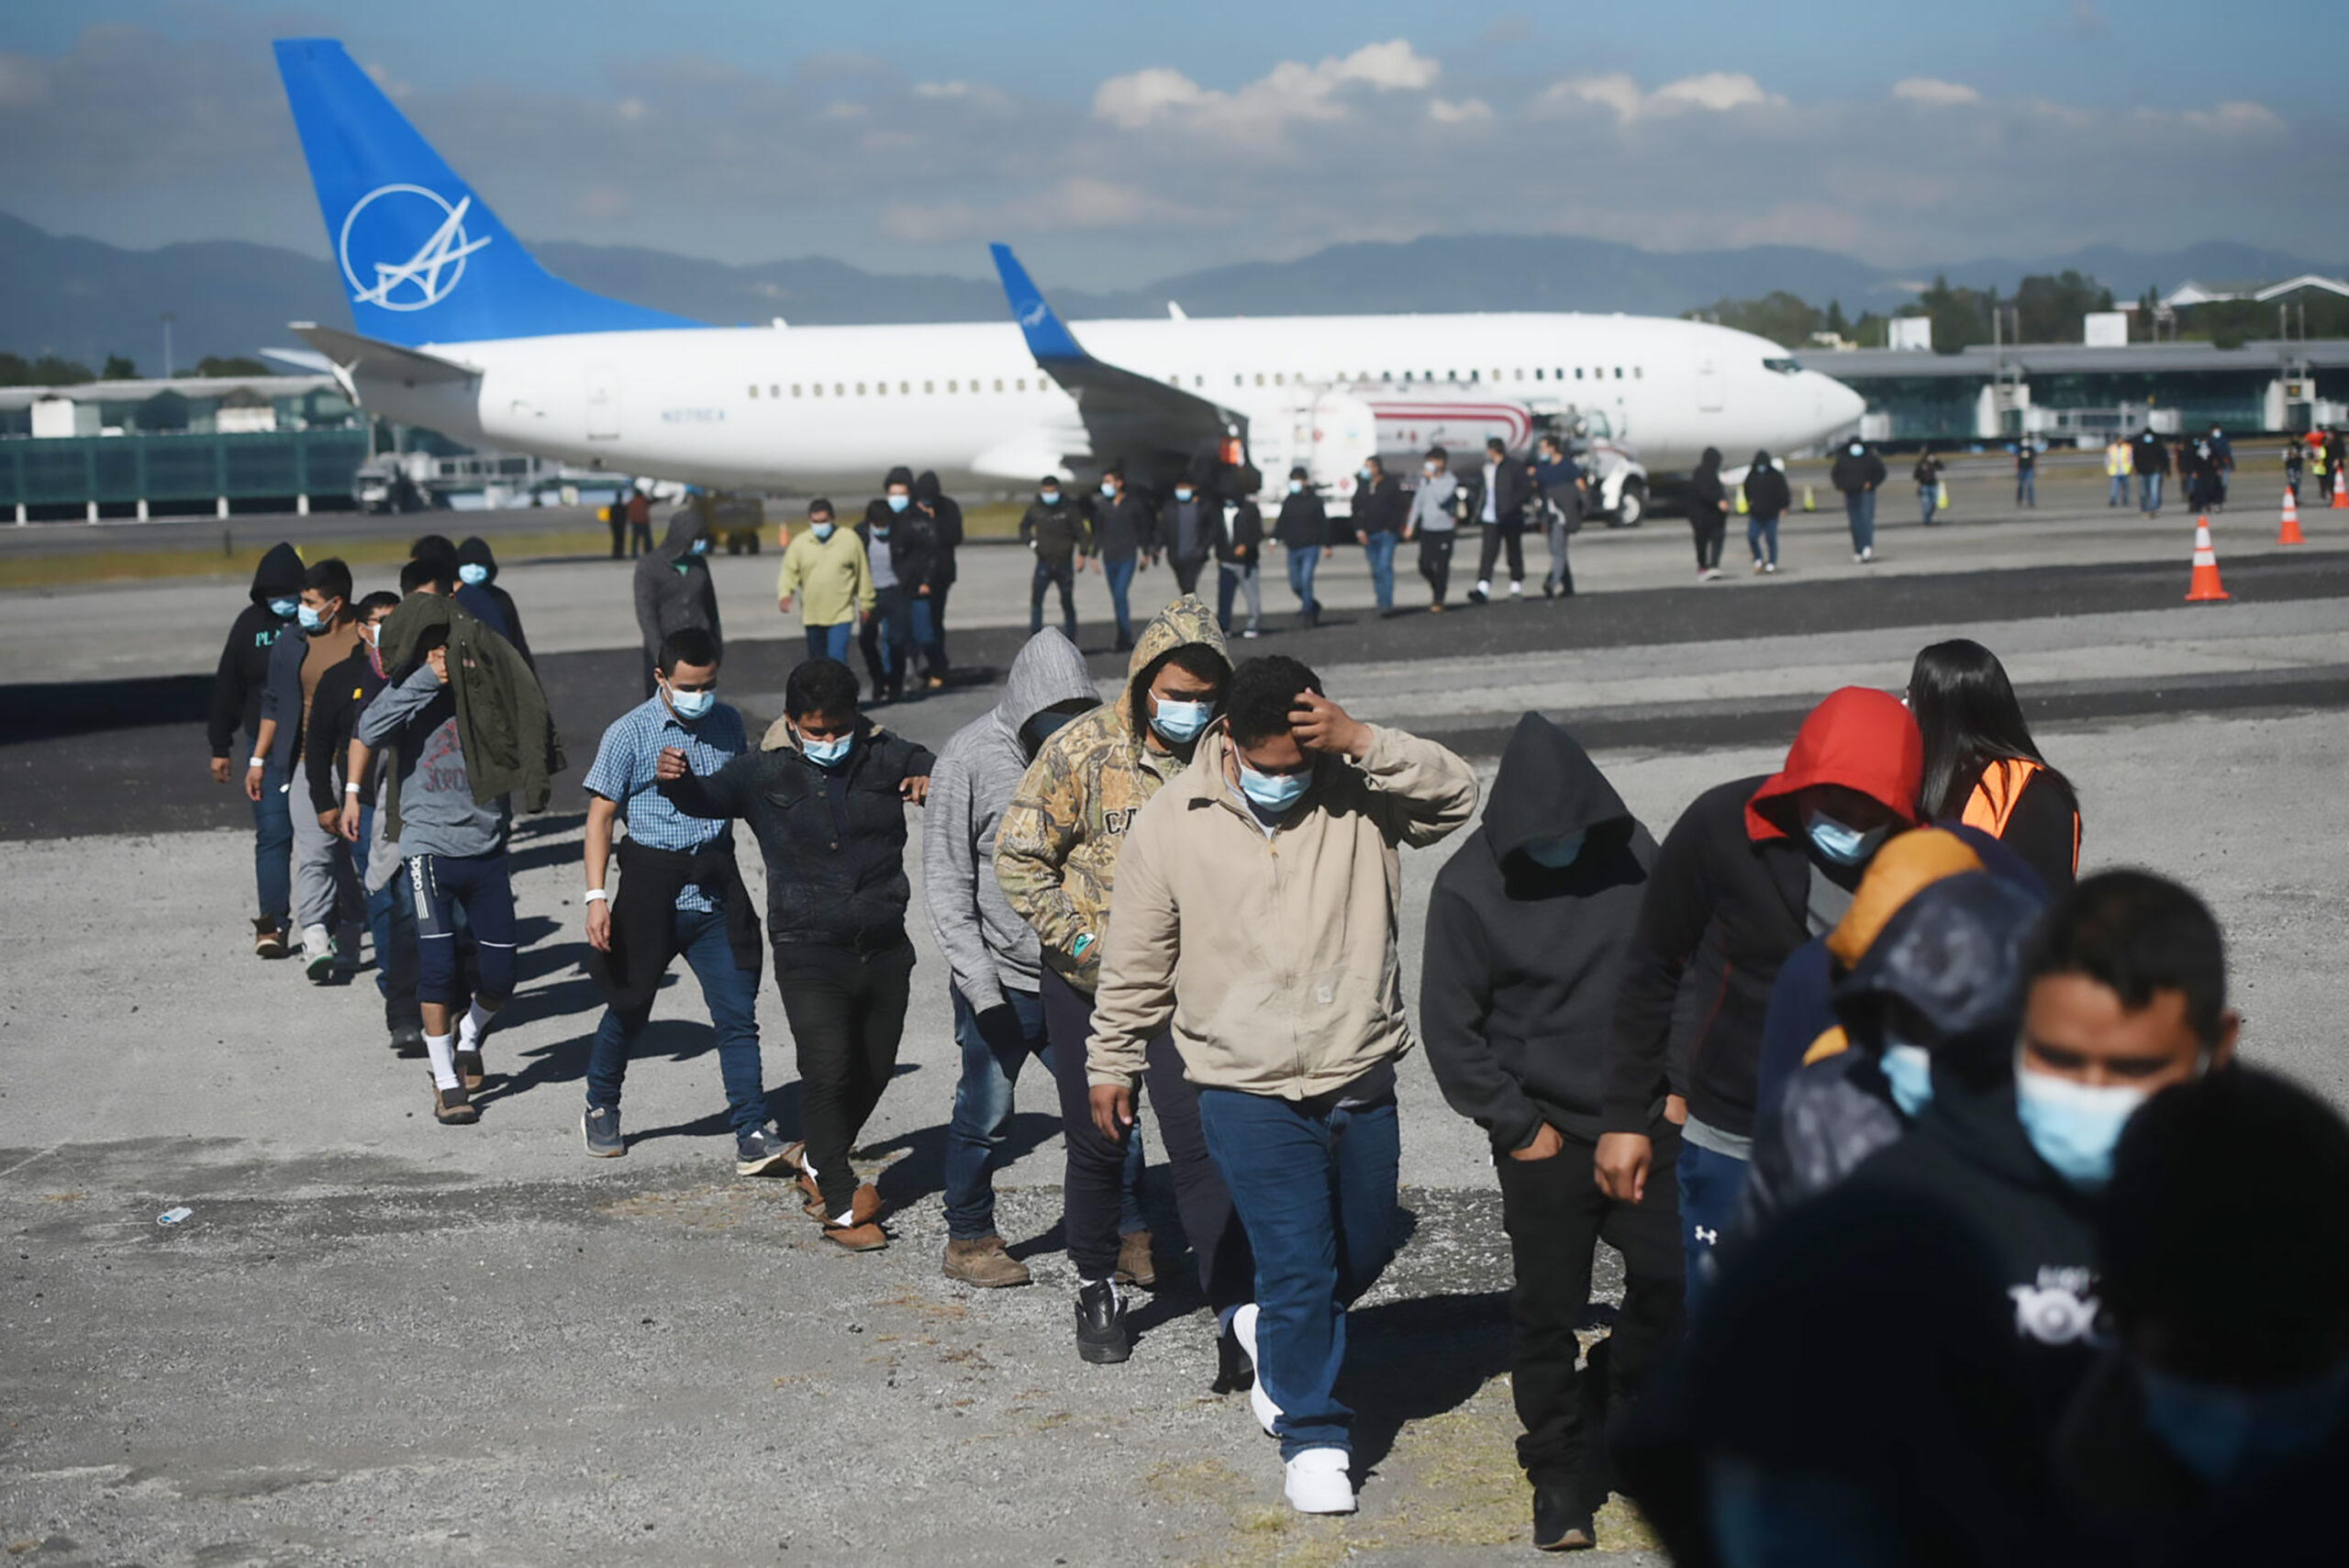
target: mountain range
<point>83,299</point>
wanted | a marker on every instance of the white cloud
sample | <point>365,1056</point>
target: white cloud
<point>977,93</point>
<point>1716,91</point>
<point>1927,90</point>
<point>1443,111</point>
<point>2235,118</point>
<point>1290,91</point>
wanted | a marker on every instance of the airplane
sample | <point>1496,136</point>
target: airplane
<point>460,329</point>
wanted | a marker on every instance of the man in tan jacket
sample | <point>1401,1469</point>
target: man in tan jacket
<point>1255,908</point>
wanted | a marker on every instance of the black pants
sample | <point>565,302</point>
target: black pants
<point>1499,536</point>
<point>1435,563</point>
<point>1061,574</point>
<point>1095,1183</point>
<point>619,536</point>
<point>936,651</point>
<point>639,539</point>
<point>1710,533</point>
<point>848,1012</point>
<point>1555,1218</point>
<point>1186,572</point>
<point>893,615</point>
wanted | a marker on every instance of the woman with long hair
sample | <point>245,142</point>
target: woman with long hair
<point>1982,769</point>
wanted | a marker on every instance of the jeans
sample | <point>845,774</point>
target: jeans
<point>830,641</point>
<point>1314,1182</point>
<point>1091,1200</point>
<point>995,1045</point>
<point>1859,510</point>
<point>1379,550</point>
<point>2026,487</point>
<point>1238,576</point>
<point>273,846</point>
<point>484,887</point>
<point>1758,529</point>
<point>1301,566</point>
<point>1710,1183</point>
<point>1929,502</point>
<point>1435,561</point>
<point>1498,537</point>
<point>2119,496</point>
<point>732,997</point>
<point>1120,577</point>
<point>848,1012</point>
<point>390,925</point>
<point>1061,574</point>
<point>1556,1217</point>
<point>888,639</point>
<point>2149,491</point>
<point>1560,579</point>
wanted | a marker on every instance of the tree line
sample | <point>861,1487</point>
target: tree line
<point>51,370</point>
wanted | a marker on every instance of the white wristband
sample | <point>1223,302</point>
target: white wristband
<point>595,893</point>
<point>350,789</point>
<point>257,761</point>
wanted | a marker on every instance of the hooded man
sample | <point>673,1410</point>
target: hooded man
<point>673,590</point>
<point>477,568</point>
<point>1708,514</point>
<point>1056,858</point>
<point>1943,977</point>
<point>237,687</point>
<point>484,605</point>
<point>1527,928</point>
<point>1752,870</point>
<point>993,954</point>
<point>2124,994</point>
<point>944,515</point>
<point>1859,473</point>
<point>1255,918</point>
<point>1766,499</point>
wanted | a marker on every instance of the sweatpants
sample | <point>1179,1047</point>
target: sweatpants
<point>326,885</point>
<point>1094,1194</point>
<point>1240,577</point>
<point>1314,1182</point>
<point>1556,1217</point>
<point>483,887</point>
<point>848,1012</point>
<point>1710,533</point>
<point>1499,537</point>
<point>1435,563</point>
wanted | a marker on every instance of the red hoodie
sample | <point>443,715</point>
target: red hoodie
<point>1860,737</point>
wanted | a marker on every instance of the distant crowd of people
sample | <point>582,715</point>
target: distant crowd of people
<point>1953,1232</point>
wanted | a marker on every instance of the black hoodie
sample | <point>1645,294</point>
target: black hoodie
<point>946,526</point>
<point>243,674</point>
<point>673,585</point>
<point>1517,991</point>
<point>1968,1150</point>
<point>475,551</point>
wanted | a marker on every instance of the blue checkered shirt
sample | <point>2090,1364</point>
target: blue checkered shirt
<point>623,774</point>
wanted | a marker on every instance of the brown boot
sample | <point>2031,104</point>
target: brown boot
<point>863,1209</point>
<point>268,940</point>
<point>984,1264</point>
<point>1135,1265</point>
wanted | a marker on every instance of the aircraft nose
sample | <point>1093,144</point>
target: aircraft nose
<point>1841,404</point>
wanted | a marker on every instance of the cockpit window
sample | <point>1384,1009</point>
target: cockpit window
<point>1784,367</point>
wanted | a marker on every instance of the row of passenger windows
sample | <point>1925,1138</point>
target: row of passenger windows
<point>1279,378</point>
<point>881,388</point>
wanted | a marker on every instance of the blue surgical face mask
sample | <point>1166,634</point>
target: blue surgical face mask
<point>1179,723</point>
<point>899,502</point>
<point>2075,1127</point>
<point>690,705</point>
<point>1856,449</point>
<point>1555,853</point>
<point>285,609</point>
<point>1363,475</point>
<point>823,531</point>
<point>701,545</point>
<point>472,574</point>
<point>824,753</point>
<point>1109,490</point>
<point>1297,487</point>
<point>881,532</point>
<point>1182,493</point>
<point>1272,792</point>
<point>311,620</point>
<point>2220,1432</point>
<point>1049,497</point>
<point>1844,846</point>
<point>1909,1070</point>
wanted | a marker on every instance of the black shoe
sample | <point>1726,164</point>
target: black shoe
<point>601,1128</point>
<point>1101,1325</point>
<point>1560,1521</point>
<point>407,1039</point>
<point>1125,645</point>
<point>1234,1372</point>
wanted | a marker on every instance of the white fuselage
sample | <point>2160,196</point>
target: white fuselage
<point>798,409</point>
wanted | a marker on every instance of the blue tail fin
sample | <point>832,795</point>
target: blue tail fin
<point>423,258</point>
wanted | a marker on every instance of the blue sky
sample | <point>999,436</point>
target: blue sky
<point>1122,142</point>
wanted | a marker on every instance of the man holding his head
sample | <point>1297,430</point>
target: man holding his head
<point>1256,911</point>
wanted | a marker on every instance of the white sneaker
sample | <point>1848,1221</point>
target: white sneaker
<point>1868,554</point>
<point>1771,568</point>
<point>1757,567</point>
<point>1517,590</point>
<point>318,953</point>
<point>1318,1482</point>
<point>1243,1328</point>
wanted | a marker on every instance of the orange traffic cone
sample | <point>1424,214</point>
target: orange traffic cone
<point>2340,489</point>
<point>2205,586</point>
<point>2291,534</point>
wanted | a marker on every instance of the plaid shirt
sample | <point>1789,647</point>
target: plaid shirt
<point>623,774</point>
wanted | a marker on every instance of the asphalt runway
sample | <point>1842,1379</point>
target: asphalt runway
<point>377,1339</point>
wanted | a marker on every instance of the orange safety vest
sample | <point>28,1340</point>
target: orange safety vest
<point>1992,804</point>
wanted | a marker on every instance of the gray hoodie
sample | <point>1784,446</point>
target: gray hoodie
<point>673,585</point>
<point>989,947</point>
<point>1431,504</point>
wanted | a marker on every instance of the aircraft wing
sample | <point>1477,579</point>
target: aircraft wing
<point>1128,416</point>
<point>353,357</point>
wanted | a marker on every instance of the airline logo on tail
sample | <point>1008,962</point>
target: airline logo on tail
<point>426,277</point>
